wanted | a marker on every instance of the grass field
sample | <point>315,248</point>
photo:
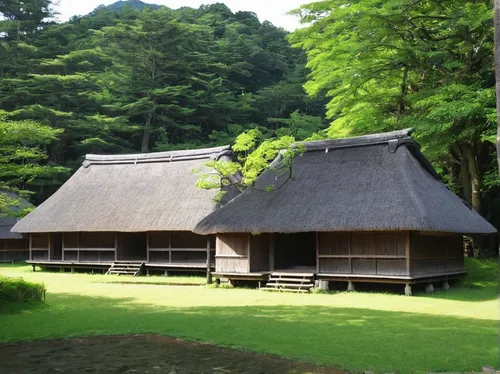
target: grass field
<point>455,330</point>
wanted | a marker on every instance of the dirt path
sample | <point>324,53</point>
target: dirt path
<point>141,354</point>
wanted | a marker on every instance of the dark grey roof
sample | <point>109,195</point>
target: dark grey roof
<point>8,221</point>
<point>372,183</point>
<point>129,193</point>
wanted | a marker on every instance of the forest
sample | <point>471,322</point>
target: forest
<point>128,79</point>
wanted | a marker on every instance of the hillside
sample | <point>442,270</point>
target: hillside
<point>135,4</point>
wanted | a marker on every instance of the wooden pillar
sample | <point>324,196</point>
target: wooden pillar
<point>78,246</point>
<point>170,247</point>
<point>147,247</point>
<point>249,238</point>
<point>209,273</point>
<point>62,246</point>
<point>407,252</point>
<point>349,241</point>
<point>317,252</point>
<point>271,251</point>
<point>116,246</point>
<point>31,248</point>
<point>50,244</point>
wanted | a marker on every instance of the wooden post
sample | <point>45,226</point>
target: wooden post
<point>317,252</point>
<point>349,241</point>
<point>209,273</point>
<point>116,246</point>
<point>271,252</point>
<point>31,248</point>
<point>147,247</point>
<point>170,247</point>
<point>50,244</point>
<point>249,238</point>
<point>78,246</point>
<point>62,246</point>
<point>407,252</point>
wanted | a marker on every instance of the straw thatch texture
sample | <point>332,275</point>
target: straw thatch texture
<point>380,182</point>
<point>128,193</point>
<point>7,221</point>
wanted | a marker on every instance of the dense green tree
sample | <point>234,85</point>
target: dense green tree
<point>23,165</point>
<point>401,63</point>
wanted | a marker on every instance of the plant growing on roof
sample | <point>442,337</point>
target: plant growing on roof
<point>254,155</point>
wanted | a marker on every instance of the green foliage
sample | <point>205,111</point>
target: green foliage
<point>133,79</point>
<point>298,126</point>
<point>17,290</point>
<point>23,158</point>
<point>404,63</point>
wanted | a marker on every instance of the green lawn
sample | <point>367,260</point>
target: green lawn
<point>447,331</point>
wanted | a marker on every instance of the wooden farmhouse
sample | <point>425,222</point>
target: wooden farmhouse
<point>127,213</point>
<point>13,246</point>
<point>365,209</point>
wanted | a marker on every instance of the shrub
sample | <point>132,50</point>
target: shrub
<point>13,290</point>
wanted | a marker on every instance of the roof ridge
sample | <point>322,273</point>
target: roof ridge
<point>357,141</point>
<point>167,156</point>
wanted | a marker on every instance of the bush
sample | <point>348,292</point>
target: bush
<point>14,290</point>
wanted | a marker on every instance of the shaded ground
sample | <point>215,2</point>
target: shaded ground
<point>141,354</point>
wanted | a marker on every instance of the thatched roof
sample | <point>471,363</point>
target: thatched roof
<point>7,221</point>
<point>376,182</point>
<point>129,193</point>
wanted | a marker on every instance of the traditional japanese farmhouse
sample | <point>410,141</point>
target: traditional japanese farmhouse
<point>364,209</point>
<point>13,246</point>
<point>127,212</point>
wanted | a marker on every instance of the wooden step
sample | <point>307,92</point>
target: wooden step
<point>125,268</point>
<point>283,290</point>
<point>289,279</point>
<point>122,271</point>
<point>310,275</point>
<point>291,285</point>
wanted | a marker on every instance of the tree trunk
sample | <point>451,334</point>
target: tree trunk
<point>474,177</point>
<point>465,180</point>
<point>497,74</point>
<point>147,132</point>
<point>145,140</point>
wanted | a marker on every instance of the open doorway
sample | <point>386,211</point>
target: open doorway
<point>132,246</point>
<point>56,246</point>
<point>295,252</point>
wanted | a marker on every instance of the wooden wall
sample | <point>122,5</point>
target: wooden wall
<point>39,247</point>
<point>360,253</point>
<point>14,249</point>
<point>232,253</point>
<point>89,246</point>
<point>180,247</point>
<point>367,253</point>
<point>433,253</point>
<point>260,246</point>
